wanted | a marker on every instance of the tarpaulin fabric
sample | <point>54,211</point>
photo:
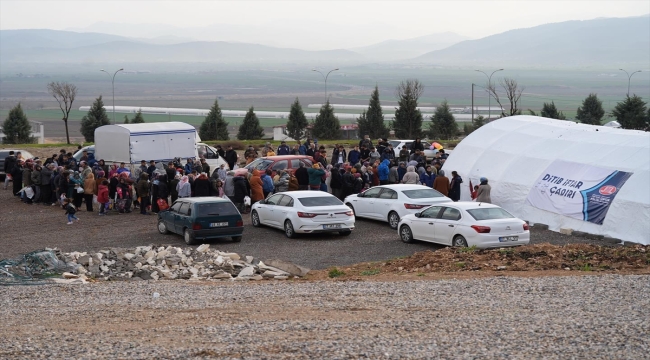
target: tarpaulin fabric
<point>513,153</point>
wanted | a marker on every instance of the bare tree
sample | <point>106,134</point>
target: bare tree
<point>64,93</point>
<point>512,93</point>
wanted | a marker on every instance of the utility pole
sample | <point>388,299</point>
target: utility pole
<point>472,104</point>
<point>113,83</point>
<point>489,87</point>
<point>629,76</point>
<point>325,77</point>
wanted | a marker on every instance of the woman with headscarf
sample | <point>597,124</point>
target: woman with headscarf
<point>102,165</point>
<point>483,192</point>
<point>184,188</point>
<point>74,192</point>
<point>257,187</point>
<point>454,187</point>
<point>89,190</point>
<point>112,171</point>
<point>328,178</point>
<point>441,183</point>
<point>411,177</point>
<point>282,184</point>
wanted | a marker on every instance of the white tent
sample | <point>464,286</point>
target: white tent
<point>521,156</point>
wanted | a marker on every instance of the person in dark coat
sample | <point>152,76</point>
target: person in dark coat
<point>231,158</point>
<point>417,145</point>
<point>336,182</point>
<point>241,191</point>
<point>202,186</point>
<point>17,177</point>
<point>10,162</point>
<point>303,177</point>
<point>347,182</point>
<point>454,187</point>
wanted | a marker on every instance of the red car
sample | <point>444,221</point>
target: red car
<point>281,162</point>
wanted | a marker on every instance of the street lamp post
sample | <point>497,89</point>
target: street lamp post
<point>489,94</point>
<point>113,84</point>
<point>629,76</point>
<point>325,77</point>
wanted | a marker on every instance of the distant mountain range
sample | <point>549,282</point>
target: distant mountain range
<point>611,42</point>
<point>391,50</point>
<point>605,42</point>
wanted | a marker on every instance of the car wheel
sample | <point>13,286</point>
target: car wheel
<point>162,228</point>
<point>189,237</point>
<point>393,220</point>
<point>255,219</point>
<point>406,234</point>
<point>351,208</point>
<point>288,229</point>
<point>459,241</point>
<point>236,238</point>
<point>345,233</point>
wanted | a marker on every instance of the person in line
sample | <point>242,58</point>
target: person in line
<point>282,184</point>
<point>240,191</point>
<point>173,187</point>
<point>454,187</point>
<point>354,156</point>
<point>267,182</point>
<point>36,182</point>
<point>143,189</point>
<point>283,149</point>
<point>411,177</point>
<point>401,171</point>
<point>77,191</point>
<point>483,192</point>
<point>202,186</point>
<point>293,182</point>
<point>102,197</point>
<point>441,183</point>
<point>257,187</point>
<point>46,184</point>
<point>417,145</point>
<point>428,177</point>
<point>404,154</point>
<point>315,174</point>
<point>10,163</point>
<point>70,210</point>
<point>184,188</point>
<point>229,185</point>
<point>89,191</point>
<point>302,176</point>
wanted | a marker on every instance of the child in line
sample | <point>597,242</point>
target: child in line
<point>70,210</point>
<point>102,197</point>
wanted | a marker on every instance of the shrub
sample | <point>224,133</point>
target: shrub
<point>335,272</point>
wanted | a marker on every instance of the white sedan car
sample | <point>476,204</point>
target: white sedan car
<point>465,224</point>
<point>392,202</point>
<point>303,212</point>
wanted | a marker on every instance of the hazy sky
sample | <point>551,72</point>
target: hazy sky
<point>320,24</point>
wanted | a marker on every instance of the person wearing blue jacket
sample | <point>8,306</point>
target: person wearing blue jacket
<point>354,156</point>
<point>401,170</point>
<point>427,177</point>
<point>267,183</point>
<point>382,172</point>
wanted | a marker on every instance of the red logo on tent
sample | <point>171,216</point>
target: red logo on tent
<point>607,190</point>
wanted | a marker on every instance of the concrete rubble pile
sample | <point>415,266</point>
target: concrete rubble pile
<point>169,263</point>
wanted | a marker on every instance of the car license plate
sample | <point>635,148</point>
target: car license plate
<point>508,238</point>
<point>332,226</point>
<point>219,224</point>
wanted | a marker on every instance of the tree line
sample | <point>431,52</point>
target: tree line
<point>631,113</point>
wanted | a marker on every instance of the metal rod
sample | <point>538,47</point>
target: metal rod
<point>113,85</point>
<point>629,77</point>
<point>489,93</point>
<point>325,78</point>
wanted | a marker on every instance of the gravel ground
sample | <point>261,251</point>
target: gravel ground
<point>595,317</point>
<point>31,227</point>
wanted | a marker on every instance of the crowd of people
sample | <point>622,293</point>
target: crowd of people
<point>151,187</point>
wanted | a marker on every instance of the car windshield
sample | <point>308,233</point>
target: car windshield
<point>320,201</point>
<point>217,209</point>
<point>490,214</point>
<point>259,164</point>
<point>422,193</point>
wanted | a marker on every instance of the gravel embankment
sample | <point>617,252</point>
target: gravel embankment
<point>589,317</point>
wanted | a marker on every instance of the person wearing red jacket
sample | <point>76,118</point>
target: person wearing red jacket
<point>102,197</point>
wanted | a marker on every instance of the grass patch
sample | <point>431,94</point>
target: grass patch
<point>420,274</point>
<point>460,264</point>
<point>585,267</point>
<point>335,272</point>
<point>505,251</point>
<point>370,272</point>
<point>470,249</point>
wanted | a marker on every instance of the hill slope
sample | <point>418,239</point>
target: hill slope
<point>390,50</point>
<point>612,42</point>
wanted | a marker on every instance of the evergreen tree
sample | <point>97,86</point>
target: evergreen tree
<point>408,119</point>
<point>591,111</point>
<point>443,125</point>
<point>297,123</point>
<point>632,113</point>
<point>138,119</point>
<point>371,122</point>
<point>16,127</point>
<point>95,118</point>
<point>550,111</point>
<point>250,128</point>
<point>469,128</point>
<point>214,127</point>
<point>326,124</point>
<point>126,119</point>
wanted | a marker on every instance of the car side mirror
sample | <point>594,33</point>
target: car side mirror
<point>360,195</point>
<point>417,215</point>
<point>262,201</point>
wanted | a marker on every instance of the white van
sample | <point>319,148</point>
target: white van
<point>161,142</point>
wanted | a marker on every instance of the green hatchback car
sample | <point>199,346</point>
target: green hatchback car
<point>202,218</point>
